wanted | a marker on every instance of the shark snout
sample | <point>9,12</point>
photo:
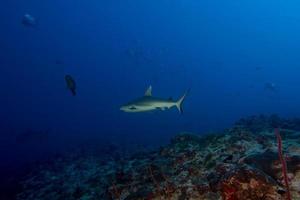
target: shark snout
<point>124,108</point>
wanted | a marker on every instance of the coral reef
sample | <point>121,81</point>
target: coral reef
<point>241,163</point>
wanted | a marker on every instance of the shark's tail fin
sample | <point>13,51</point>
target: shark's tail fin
<point>180,102</point>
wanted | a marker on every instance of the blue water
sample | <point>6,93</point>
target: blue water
<point>224,51</point>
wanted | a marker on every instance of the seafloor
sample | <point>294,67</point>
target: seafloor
<point>240,163</point>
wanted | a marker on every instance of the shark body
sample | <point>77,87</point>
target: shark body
<point>149,103</point>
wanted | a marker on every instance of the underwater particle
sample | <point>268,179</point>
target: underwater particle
<point>271,86</point>
<point>150,103</point>
<point>71,84</point>
<point>29,21</point>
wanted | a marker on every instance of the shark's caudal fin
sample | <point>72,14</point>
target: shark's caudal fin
<point>180,102</point>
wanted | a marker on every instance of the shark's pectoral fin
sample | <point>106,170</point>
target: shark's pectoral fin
<point>148,92</point>
<point>161,108</point>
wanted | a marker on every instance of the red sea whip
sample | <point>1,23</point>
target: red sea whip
<point>283,164</point>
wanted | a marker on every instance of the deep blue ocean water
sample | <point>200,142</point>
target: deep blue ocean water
<point>238,58</point>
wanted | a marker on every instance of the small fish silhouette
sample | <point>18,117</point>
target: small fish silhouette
<point>71,84</point>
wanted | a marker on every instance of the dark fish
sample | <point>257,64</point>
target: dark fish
<point>71,84</point>
<point>29,21</point>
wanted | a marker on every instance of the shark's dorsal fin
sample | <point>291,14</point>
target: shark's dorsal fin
<point>148,92</point>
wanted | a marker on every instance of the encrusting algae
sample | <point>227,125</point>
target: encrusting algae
<point>240,163</point>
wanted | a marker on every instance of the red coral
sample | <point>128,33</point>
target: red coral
<point>229,192</point>
<point>115,192</point>
<point>150,196</point>
<point>283,164</point>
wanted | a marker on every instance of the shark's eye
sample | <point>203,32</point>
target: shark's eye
<point>132,108</point>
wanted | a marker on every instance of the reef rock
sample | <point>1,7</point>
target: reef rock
<point>240,163</point>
